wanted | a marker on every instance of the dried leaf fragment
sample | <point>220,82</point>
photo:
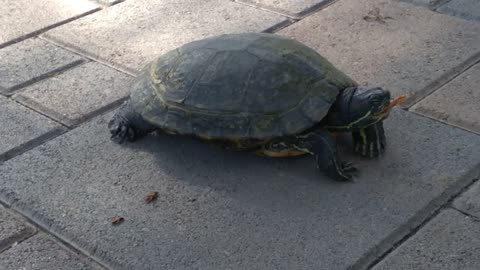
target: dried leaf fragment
<point>151,196</point>
<point>117,220</point>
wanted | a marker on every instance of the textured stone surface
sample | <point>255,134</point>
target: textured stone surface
<point>12,229</point>
<point>132,33</point>
<point>404,54</point>
<point>39,253</point>
<point>75,94</point>
<point>428,3</point>
<point>20,125</point>
<point>289,7</point>
<point>29,59</point>
<point>469,202</point>
<point>219,209</point>
<point>467,9</point>
<point>451,241</point>
<point>21,17</point>
<point>457,102</point>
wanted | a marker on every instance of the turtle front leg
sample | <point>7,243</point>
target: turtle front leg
<point>320,144</point>
<point>128,125</point>
<point>370,141</point>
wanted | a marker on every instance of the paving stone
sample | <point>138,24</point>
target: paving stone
<point>41,252</point>
<point>410,49</point>
<point>77,93</point>
<point>12,229</point>
<point>294,8</point>
<point>132,33</point>
<point>31,59</point>
<point>427,3</point>
<point>219,209</point>
<point>456,102</point>
<point>469,202</point>
<point>466,9</point>
<point>21,125</point>
<point>450,241</point>
<point>21,17</point>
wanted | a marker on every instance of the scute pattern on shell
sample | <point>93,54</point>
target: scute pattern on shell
<point>238,86</point>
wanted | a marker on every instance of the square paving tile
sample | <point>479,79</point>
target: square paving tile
<point>219,209</point>
<point>457,102</point>
<point>30,59</point>
<point>20,126</point>
<point>395,45</point>
<point>76,94</point>
<point>21,17</point>
<point>451,241</point>
<point>132,33</point>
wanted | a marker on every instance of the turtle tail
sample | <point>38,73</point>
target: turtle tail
<point>128,125</point>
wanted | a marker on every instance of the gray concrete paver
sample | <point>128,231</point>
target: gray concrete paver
<point>467,9</point>
<point>20,125</point>
<point>12,229</point>
<point>21,17</point>
<point>457,102</point>
<point>219,209</point>
<point>132,33</point>
<point>30,59</point>
<point>450,241</point>
<point>41,252</point>
<point>403,53</point>
<point>77,93</point>
<point>469,202</point>
<point>294,8</point>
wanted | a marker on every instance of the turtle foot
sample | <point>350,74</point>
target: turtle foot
<point>121,130</point>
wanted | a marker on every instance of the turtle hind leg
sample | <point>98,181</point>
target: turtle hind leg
<point>320,144</point>
<point>128,125</point>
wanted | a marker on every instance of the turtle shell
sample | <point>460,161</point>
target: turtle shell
<point>238,86</point>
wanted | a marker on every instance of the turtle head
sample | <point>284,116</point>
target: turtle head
<point>359,107</point>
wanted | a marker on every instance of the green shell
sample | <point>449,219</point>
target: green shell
<point>238,86</point>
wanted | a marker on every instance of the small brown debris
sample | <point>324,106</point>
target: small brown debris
<point>117,220</point>
<point>375,16</point>
<point>151,196</point>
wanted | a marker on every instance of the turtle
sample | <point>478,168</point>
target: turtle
<point>258,92</point>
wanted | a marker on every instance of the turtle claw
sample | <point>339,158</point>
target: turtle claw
<point>346,172</point>
<point>120,131</point>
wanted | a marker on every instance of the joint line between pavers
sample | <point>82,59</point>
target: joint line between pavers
<point>295,16</point>
<point>441,81</point>
<point>474,218</point>
<point>66,244</point>
<point>31,144</point>
<point>439,3</point>
<point>453,125</point>
<point>416,222</point>
<point>38,108</point>
<point>77,50</point>
<point>46,28</point>
<point>20,87</point>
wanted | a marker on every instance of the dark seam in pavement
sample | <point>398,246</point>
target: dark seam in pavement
<point>295,16</point>
<point>395,239</point>
<point>15,89</point>
<point>19,237</point>
<point>88,55</point>
<point>474,218</point>
<point>438,4</point>
<point>441,81</point>
<point>444,122</point>
<point>24,147</point>
<point>279,26</point>
<point>83,256</point>
<point>45,29</point>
